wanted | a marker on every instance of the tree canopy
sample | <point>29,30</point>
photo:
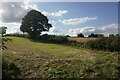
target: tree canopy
<point>80,35</point>
<point>34,23</point>
<point>95,35</point>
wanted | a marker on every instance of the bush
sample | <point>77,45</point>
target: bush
<point>80,35</point>
<point>110,43</point>
<point>67,36</point>
<point>53,39</point>
<point>95,35</point>
<point>75,44</point>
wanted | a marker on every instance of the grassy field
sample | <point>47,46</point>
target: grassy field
<point>80,39</point>
<point>25,58</point>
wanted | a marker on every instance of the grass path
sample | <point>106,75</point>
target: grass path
<point>22,45</point>
<point>35,59</point>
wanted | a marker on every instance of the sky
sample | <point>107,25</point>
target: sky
<point>67,18</point>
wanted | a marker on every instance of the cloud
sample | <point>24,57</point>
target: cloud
<point>1,11</point>
<point>54,30</point>
<point>111,27</point>
<point>12,27</point>
<point>108,29</point>
<point>60,13</point>
<point>53,22</point>
<point>77,21</point>
<point>15,11</point>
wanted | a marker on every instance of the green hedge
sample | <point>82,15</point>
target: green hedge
<point>111,43</point>
<point>53,39</point>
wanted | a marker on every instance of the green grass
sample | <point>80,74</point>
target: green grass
<point>46,60</point>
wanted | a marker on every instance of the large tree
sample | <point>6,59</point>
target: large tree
<point>34,23</point>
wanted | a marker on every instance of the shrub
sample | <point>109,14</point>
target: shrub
<point>53,38</point>
<point>67,36</point>
<point>80,35</point>
<point>110,43</point>
<point>95,35</point>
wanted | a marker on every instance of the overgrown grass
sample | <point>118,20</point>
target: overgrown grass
<point>47,60</point>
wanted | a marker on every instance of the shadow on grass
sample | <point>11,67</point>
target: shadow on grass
<point>3,42</point>
<point>74,44</point>
<point>10,70</point>
<point>43,41</point>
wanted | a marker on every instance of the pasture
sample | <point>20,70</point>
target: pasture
<point>25,58</point>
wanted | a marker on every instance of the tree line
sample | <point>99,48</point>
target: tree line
<point>92,35</point>
<point>110,43</point>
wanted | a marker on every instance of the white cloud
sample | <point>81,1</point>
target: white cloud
<point>1,11</point>
<point>53,22</point>
<point>12,5</point>
<point>60,13</point>
<point>108,29</point>
<point>77,21</point>
<point>15,11</point>
<point>30,6</point>
<point>54,30</point>
<point>12,27</point>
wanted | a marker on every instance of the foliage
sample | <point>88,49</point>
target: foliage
<point>67,36</point>
<point>95,35</point>
<point>76,44</point>
<point>80,35</point>
<point>34,23</point>
<point>110,43</point>
<point>9,70</point>
<point>43,60</point>
<point>53,38</point>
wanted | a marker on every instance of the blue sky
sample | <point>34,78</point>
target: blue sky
<point>106,12</point>
<point>72,17</point>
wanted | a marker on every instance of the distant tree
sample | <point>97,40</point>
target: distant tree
<point>3,30</point>
<point>117,35</point>
<point>100,35</point>
<point>34,23</point>
<point>111,35</point>
<point>67,36</point>
<point>93,35</point>
<point>80,35</point>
